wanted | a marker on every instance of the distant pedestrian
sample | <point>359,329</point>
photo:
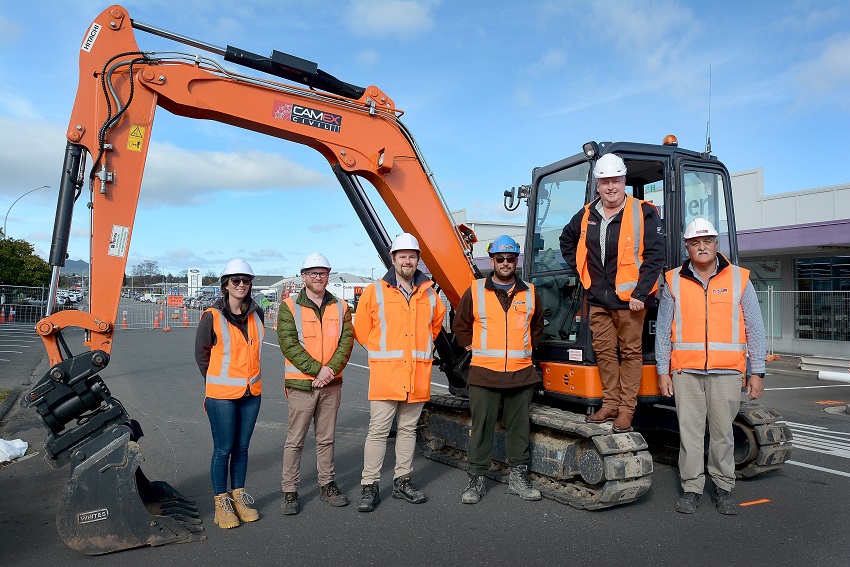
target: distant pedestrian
<point>227,349</point>
<point>500,319</point>
<point>398,318</point>
<point>709,320</point>
<point>616,245</point>
<point>316,337</point>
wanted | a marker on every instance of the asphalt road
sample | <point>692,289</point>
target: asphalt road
<point>802,517</point>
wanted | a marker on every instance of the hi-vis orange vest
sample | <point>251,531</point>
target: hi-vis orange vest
<point>501,341</point>
<point>629,249</point>
<point>708,324</point>
<point>235,362</point>
<point>399,336</point>
<point>319,338</point>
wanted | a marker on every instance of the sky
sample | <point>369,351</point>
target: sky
<point>490,90</point>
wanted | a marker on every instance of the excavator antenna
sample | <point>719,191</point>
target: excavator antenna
<point>708,123</point>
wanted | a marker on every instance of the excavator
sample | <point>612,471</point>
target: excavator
<point>108,504</point>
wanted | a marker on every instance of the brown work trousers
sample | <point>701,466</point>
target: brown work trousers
<point>620,378</point>
<point>319,407</point>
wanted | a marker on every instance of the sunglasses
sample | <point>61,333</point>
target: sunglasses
<point>239,280</point>
<point>503,259</point>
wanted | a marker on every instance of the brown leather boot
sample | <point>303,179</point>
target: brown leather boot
<point>224,515</point>
<point>241,500</point>
<point>603,415</point>
<point>623,423</point>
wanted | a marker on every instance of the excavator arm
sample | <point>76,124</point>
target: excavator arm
<point>113,117</point>
<point>356,129</point>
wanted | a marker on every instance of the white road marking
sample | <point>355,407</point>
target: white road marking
<point>808,387</point>
<point>820,440</point>
<point>12,351</point>
<point>817,468</point>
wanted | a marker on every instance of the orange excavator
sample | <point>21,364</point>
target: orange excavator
<point>108,504</point>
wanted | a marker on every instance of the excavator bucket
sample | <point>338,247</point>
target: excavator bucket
<point>108,504</point>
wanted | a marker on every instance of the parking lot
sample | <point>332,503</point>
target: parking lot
<point>796,516</point>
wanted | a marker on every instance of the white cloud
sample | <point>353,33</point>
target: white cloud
<point>827,74</point>
<point>178,176</point>
<point>390,18</point>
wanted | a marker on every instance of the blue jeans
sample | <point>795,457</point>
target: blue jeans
<point>232,423</point>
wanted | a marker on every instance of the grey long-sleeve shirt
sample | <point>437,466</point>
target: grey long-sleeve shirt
<point>753,326</point>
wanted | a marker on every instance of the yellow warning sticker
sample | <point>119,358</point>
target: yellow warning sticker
<point>136,137</point>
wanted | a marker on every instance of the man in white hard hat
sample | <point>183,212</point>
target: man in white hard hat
<point>709,320</point>
<point>616,246</point>
<point>398,318</point>
<point>316,337</point>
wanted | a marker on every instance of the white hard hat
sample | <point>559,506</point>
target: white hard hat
<point>405,241</point>
<point>315,260</point>
<point>237,266</point>
<point>699,227</point>
<point>609,165</point>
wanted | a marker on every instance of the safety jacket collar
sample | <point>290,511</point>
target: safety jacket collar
<point>519,285</point>
<point>419,278</point>
<point>687,271</point>
<point>302,299</point>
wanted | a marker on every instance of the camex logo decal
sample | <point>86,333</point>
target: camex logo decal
<point>308,116</point>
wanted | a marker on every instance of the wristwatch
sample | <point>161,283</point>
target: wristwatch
<point>759,374</point>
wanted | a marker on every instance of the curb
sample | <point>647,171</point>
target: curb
<point>798,373</point>
<point>15,393</point>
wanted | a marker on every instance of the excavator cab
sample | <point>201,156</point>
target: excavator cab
<point>682,184</point>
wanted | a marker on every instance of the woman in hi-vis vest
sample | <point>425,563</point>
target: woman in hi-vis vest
<point>227,349</point>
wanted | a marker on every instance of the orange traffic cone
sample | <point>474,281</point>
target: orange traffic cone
<point>185,317</point>
<point>124,320</point>
<point>2,313</point>
<point>11,314</point>
<point>156,320</point>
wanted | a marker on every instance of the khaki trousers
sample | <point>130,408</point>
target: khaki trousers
<point>319,407</point>
<point>620,378</point>
<point>381,417</point>
<point>716,398</point>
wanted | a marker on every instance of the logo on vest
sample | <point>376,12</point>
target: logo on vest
<point>721,290</point>
<point>592,222</point>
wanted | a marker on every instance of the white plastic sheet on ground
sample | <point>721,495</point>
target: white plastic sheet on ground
<point>12,449</point>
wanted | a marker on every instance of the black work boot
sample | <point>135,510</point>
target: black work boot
<point>688,503</point>
<point>724,502</point>
<point>369,497</point>
<point>330,493</point>
<point>474,490</point>
<point>520,484</point>
<point>289,506</point>
<point>404,488</point>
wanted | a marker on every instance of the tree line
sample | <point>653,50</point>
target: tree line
<point>21,266</point>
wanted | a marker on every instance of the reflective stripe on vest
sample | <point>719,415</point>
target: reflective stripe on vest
<point>297,315</point>
<point>631,231</point>
<point>224,376</point>
<point>724,340</point>
<point>492,329</point>
<point>382,353</point>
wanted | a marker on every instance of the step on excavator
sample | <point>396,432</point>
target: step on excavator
<point>109,505</point>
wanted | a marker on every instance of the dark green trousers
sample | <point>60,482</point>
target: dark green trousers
<point>484,405</point>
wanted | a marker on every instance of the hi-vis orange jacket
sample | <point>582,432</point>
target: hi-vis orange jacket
<point>319,338</point>
<point>708,323</point>
<point>399,336</point>
<point>629,249</point>
<point>501,341</point>
<point>234,362</point>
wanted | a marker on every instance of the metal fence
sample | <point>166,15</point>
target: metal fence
<point>806,322</point>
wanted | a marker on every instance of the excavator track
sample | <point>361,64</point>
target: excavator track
<point>573,462</point>
<point>762,443</point>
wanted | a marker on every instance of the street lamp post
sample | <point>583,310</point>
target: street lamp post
<point>5,234</point>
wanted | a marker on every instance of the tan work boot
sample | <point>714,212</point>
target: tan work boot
<point>241,501</point>
<point>224,515</point>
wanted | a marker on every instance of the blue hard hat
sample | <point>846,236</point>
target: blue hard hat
<point>504,244</point>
